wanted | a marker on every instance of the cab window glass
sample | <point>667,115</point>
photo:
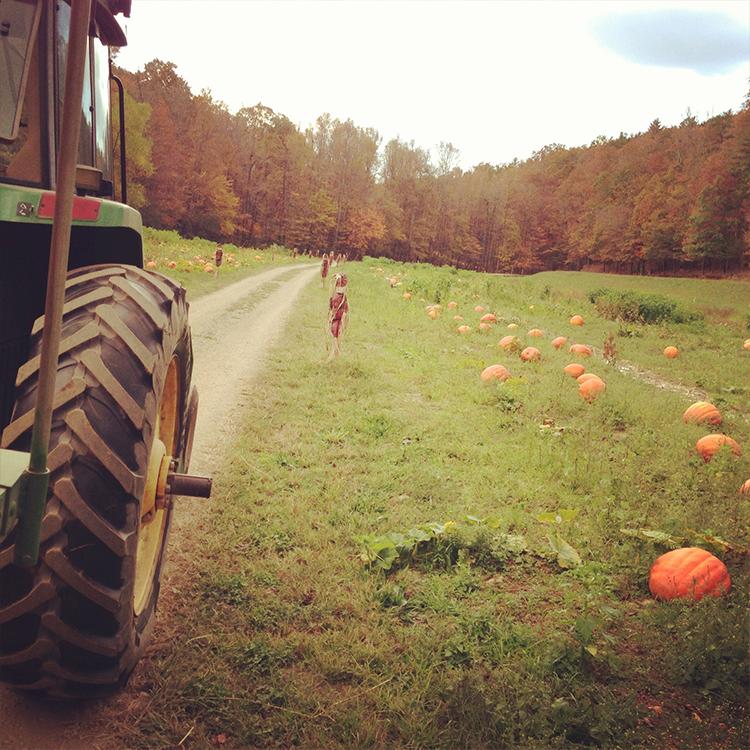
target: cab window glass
<point>18,22</point>
<point>102,140</point>
<point>21,159</point>
<point>62,32</point>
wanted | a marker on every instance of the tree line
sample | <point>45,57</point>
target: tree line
<point>667,199</point>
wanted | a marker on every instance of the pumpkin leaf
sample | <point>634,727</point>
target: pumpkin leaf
<point>548,518</point>
<point>567,556</point>
<point>514,543</point>
<point>722,545</point>
<point>654,536</point>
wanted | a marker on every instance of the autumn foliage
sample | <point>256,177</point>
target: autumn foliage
<point>658,201</point>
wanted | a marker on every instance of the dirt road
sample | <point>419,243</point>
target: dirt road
<point>233,330</point>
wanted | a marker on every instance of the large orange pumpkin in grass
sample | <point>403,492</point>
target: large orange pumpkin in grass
<point>478,309</point>
<point>559,342</point>
<point>586,376</point>
<point>531,354</point>
<point>433,314</point>
<point>536,333</point>
<point>745,488</point>
<point>407,295</point>
<point>508,342</point>
<point>576,320</point>
<point>582,350</point>
<point>671,352</point>
<point>702,412</point>
<point>688,573</point>
<point>591,388</point>
<point>452,305</point>
<point>489,318</point>
<point>464,329</point>
<point>574,370</point>
<point>709,445</point>
<point>494,372</point>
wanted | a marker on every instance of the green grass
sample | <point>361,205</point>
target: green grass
<point>190,258</point>
<point>472,640</point>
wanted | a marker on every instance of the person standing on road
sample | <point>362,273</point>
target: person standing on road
<point>324,269</point>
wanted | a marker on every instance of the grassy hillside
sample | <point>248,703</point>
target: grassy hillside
<point>191,262</point>
<point>401,556</point>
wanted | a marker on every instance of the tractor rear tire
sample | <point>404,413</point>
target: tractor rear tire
<point>76,624</point>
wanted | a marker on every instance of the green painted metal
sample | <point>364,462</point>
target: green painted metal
<point>12,466</point>
<point>19,204</point>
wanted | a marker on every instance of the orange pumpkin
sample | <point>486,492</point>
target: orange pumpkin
<point>586,376</point>
<point>574,370</point>
<point>581,350</point>
<point>700,412</point>
<point>151,264</point>
<point>559,342</point>
<point>407,295</point>
<point>464,329</point>
<point>494,372</point>
<point>671,352</point>
<point>508,342</point>
<point>709,445</point>
<point>478,309</point>
<point>488,318</point>
<point>512,326</point>
<point>208,268</point>
<point>688,573</point>
<point>746,345</point>
<point>536,333</point>
<point>745,488</point>
<point>452,305</point>
<point>433,314</point>
<point>576,320</point>
<point>531,354</point>
<point>172,264</point>
<point>485,326</point>
<point>457,318</point>
<point>591,388</point>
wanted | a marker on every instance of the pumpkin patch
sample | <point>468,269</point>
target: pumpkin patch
<point>582,350</point>
<point>590,389</point>
<point>576,320</point>
<point>688,573</point>
<point>574,370</point>
<point>702,412</point>
<point>494,372</point>
<point>709,445</point>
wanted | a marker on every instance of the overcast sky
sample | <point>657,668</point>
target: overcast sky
<point>497,79</point>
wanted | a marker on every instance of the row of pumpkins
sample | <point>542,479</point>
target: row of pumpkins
<point>686,573</point>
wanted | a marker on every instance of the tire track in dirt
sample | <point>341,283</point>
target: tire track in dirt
<point>233,330</point>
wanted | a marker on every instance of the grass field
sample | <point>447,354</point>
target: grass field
<point>191,262</point>
<point>400,556</point>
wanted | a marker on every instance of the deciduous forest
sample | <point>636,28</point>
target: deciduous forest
<point>667,200</point>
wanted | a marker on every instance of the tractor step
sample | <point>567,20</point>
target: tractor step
<point>12,466</point>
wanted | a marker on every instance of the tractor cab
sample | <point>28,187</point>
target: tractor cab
<point>97,410</point>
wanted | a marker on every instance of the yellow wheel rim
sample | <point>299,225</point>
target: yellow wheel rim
<point>153,522</point>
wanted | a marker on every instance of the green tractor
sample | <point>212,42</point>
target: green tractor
<point>96,407</point>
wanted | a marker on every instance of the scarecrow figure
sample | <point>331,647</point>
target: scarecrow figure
<point>338,309</point>
<point>218,257</point>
